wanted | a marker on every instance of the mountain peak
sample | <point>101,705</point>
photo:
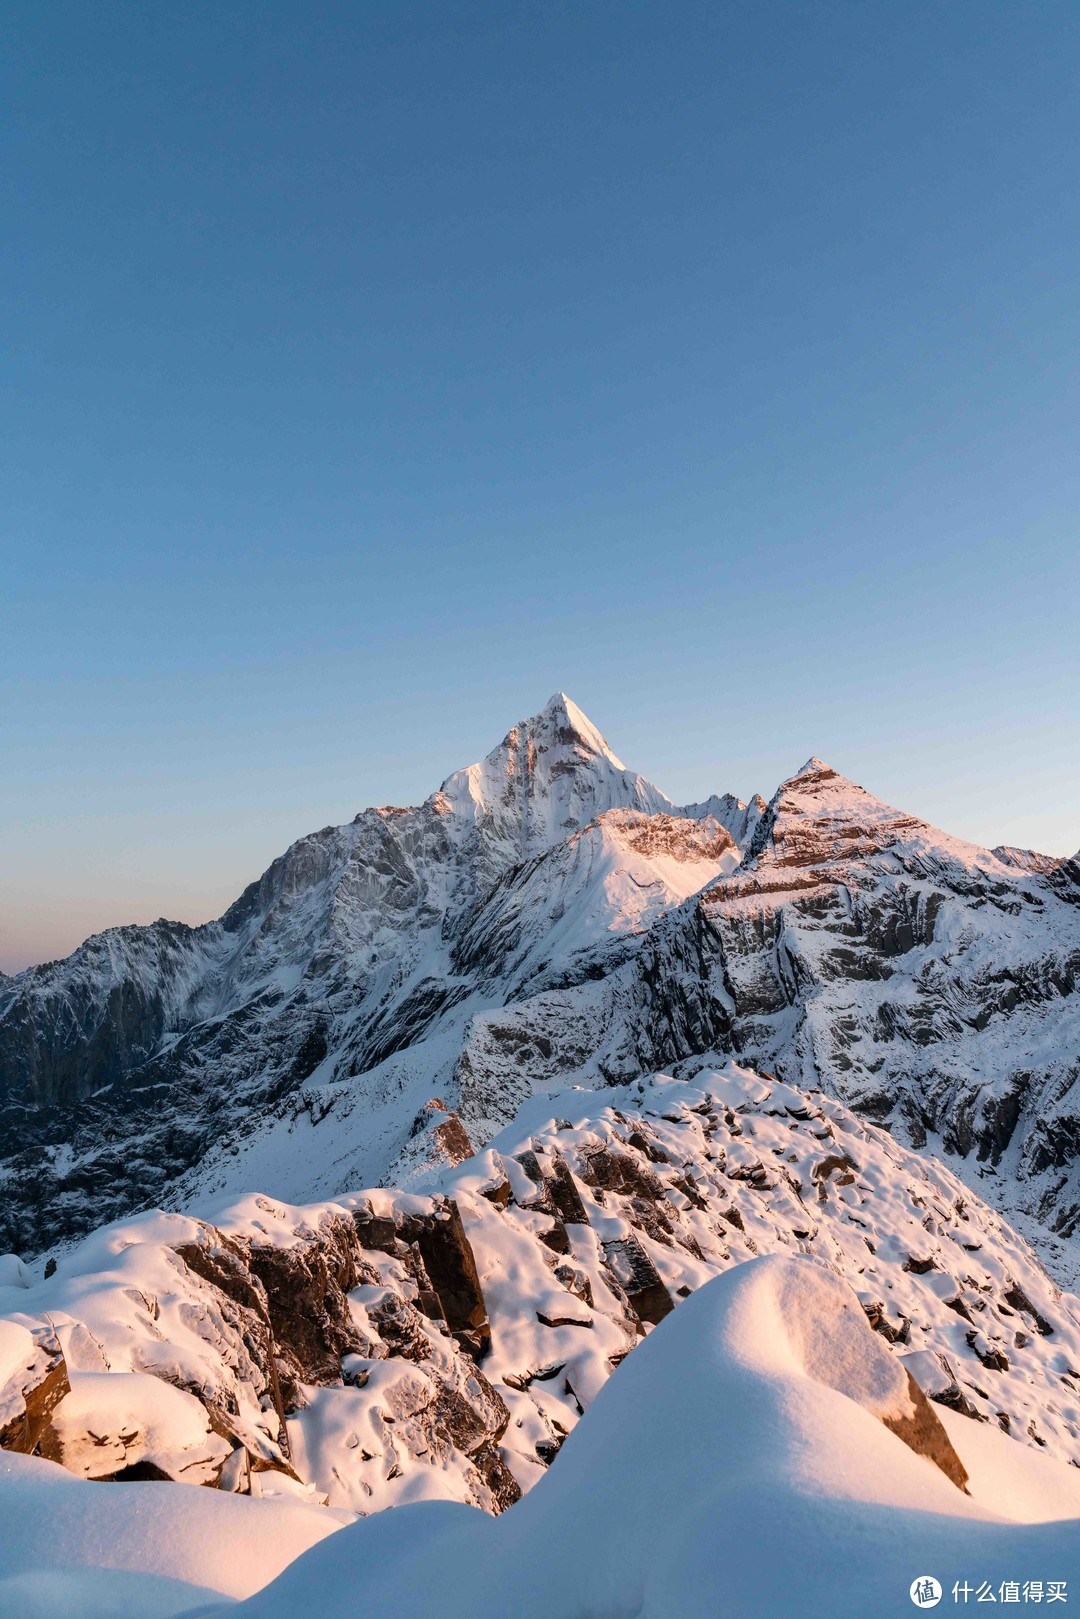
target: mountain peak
<point>819,815</point>
<point>814,767</point>
<point>574,725</point>
<point>549,776</point>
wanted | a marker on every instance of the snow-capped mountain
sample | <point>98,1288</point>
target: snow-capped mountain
<point>129,1062</point>
<point>550,916</point>
<point>929,982</point>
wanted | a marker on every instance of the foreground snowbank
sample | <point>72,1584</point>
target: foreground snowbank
<point>737,1465</point>
<point>745,1460</point>
<point>73,1550</point>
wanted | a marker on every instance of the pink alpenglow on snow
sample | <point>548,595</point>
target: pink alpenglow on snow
<point>75,1550</point>
<point>739,1464</point>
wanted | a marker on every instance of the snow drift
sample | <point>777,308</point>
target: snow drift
<point>739,1463</point>
<point>72,1550</point>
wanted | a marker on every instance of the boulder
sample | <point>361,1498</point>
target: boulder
<point>33,1381</point>
<point>128,1425</point>
<point>305,1285</point>
<point>924,1433</point>
<point>638,1278</point>
<point>451,1266</point>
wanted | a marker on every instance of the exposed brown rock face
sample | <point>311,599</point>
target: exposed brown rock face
<point>451,1267</point>
<point>557,1195</point>
<point>437,1139</point>
<point>31,1394</point>
<point>453,1139</point>
<point>305,1288</point>
<point>924,1433</point>
<point>674,836</point>
<point>437,1254</point>
<point>639,1279</point>
<point>242,1301</point>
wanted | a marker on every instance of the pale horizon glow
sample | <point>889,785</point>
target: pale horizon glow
<point>32,933</point>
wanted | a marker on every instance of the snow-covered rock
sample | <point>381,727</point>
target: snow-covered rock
<point>738,818</point>
<point>33,1381</point>
<point>117,1425</point>
<point>548,778</point>
<point>755,1455</point>
<point>394,1347</point>
<point>548,916</point>
<point>741,1462</point>
<point>13,1273</point>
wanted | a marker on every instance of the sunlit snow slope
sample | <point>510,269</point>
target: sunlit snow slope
<point>762,1453</point>
<point>740,1463</point>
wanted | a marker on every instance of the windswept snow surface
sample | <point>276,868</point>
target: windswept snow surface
<point>73,1550</point>
<point>735,1466</point>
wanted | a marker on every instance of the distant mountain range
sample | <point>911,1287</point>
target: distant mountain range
<point>548,918</point>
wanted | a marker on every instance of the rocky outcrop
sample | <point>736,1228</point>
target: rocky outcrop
<point>392,1346</point>
<point>924,1433</point>
<point>33,1381</point>
<point>282,1320</point>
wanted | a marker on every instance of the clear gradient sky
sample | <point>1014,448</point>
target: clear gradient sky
<point>373,370</point>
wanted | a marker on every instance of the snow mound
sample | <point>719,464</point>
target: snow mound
<point>75,1550</point>
<point>722,1472</point>
<point>814,1328</point>
<point>743,1460</point>
<point>13,1273</point>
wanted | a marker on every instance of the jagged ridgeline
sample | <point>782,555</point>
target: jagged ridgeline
<point>550,917</point>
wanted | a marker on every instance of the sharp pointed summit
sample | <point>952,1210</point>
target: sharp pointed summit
<point>574,725</point>
<point>549,777</point>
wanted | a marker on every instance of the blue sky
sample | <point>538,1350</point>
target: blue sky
<point>373,371</point>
